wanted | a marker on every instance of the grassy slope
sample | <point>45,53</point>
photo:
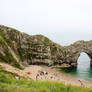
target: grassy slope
<point>8,83</point>
<point>8,58</point>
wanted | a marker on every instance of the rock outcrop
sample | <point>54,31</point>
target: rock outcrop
<point>19,49</point>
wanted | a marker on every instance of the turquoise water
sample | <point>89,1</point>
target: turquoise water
<point>83,69</point>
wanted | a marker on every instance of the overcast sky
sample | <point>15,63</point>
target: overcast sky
<point>63,21</point>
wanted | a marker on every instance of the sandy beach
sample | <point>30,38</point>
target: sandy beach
<point>42,73</point>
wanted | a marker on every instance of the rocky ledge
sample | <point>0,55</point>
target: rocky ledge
<point>20,49</point>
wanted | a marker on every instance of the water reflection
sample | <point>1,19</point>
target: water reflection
<point>83,69</point>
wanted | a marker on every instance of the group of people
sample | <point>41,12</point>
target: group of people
<point>45,75</point>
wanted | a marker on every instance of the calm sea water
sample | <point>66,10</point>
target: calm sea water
<point>83,69</point>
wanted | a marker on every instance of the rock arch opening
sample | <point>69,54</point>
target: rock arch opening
<point>83,66</point>
<point>83,59</point>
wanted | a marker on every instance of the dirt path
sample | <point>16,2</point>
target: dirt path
<point>45,73</point>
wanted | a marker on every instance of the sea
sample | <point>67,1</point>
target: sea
<point>83,69</point>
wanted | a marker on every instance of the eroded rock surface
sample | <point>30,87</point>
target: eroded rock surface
<point>38,49</point>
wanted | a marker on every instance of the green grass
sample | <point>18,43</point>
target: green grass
<point>37,86</point>
<point>8,58</point>
<point>8,83</point>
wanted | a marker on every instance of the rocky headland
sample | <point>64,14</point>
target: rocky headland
<point>20,50</point>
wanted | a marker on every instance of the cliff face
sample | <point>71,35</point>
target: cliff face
<point>20,49</point>
<point>74,50</point>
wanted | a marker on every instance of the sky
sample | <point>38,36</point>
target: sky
<point>63,21</point>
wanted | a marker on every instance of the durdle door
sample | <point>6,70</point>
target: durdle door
<point>77,48</point>
<point>38,49</point>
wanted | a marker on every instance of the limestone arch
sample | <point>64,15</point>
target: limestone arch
<point>85,54</point>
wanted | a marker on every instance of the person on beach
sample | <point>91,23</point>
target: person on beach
<point>37,76</point>
<point>81,83</point>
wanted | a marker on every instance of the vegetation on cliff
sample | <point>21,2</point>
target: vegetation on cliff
<point>27,49</point>
<point>6,53</point>
<point>20,49</point>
